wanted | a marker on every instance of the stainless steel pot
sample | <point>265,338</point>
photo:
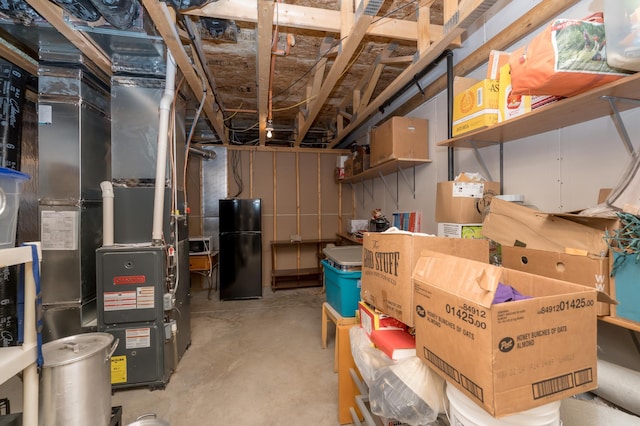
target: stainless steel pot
<point>149,420</point>
<point>75,385</point>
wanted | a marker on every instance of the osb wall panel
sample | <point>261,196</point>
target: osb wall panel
<point>310,209</point>
<point>329,185</point>
<point>263,180</point>
<point>309,190</point>
<point>238,174</point>
<point>285,201</point>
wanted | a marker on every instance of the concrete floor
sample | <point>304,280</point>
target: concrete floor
<point>259,363</point>
<point>251,362</point>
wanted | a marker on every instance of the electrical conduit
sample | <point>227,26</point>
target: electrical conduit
<point>161,161</point>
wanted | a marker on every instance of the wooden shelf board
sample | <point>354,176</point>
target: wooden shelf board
<point>621,322</point>
<point>301,272</point>
<point>349,238</point>
<point>386,168</point>
<point>566,112</point>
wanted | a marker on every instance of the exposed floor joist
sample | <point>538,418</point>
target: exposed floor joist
<point>165,24</point>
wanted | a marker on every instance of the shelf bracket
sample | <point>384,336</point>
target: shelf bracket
<point>384,181</point>
<point>412,187</point>
<point>480,160</point>
<point>619,122</point>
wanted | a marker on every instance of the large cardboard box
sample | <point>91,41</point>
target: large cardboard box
<point>510,224</point>
<point>464,202</point>
<point>591,271</point>
<point>399,137</point>
<point>475,104</point>
<point>389,258</point>
<point>511,356</point>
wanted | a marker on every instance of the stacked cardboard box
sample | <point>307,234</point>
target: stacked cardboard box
<point>506,357</point>
<point>460,207</point>
<point>388,261</point>
<point>400,137</point>
<point>564,246</point>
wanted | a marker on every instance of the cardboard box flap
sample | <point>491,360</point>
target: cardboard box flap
<point>474,281</point>
<point>514,225</point>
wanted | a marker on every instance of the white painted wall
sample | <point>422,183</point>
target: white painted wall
<point>560,170</point>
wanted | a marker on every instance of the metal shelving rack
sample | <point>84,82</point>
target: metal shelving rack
<point>23,358</point>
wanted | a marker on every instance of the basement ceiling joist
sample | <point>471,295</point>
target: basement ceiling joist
<point>319,69</point>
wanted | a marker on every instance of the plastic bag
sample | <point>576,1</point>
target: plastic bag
<point>367,358</point>
<point>566,58</point>
<point>407,391</point>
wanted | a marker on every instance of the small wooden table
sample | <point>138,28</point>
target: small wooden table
<point>204,264</point>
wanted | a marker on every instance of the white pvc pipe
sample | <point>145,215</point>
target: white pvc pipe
<point>163,139</point>
<point>619,385</point>
<point>107,213</point>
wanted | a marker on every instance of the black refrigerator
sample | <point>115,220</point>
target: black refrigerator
<point>240,249</point>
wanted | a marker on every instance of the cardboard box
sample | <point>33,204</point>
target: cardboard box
<point>348,167</point>
<point>388,260</point>
<point>511,356</point>
<point>460,230</point>
<point>625,288</point>
<point>510,105</point>
<point>372,319</point>
<point>497,59</point>
<point>510,224</point>
<point>590,271</point>
<point>399,137</point>
<point>464,202</point>
<point>475,104</point>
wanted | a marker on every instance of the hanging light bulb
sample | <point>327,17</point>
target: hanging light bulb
<point>269,129</point>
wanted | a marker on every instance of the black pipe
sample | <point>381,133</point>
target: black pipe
<point>415,80</point>
<point>450,150</point>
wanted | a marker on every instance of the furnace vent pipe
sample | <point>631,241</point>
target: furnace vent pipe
<point>107,213</point>
<point>161,161</point>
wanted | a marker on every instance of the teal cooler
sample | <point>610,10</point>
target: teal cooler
<point>343,289</point>
<point>627,288</point>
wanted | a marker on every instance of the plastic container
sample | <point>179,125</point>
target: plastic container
<point>343,289</point>
<point>10,189</point>
<point>345,258</point>
<point>464,412</point>
<point>622,32</point>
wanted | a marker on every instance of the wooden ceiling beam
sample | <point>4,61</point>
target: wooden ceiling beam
<point>349,45</point>
<point>533,19</point>
<point>54,15</point>
<point>311,18</point>
<point>164,22</point>
<point>263,57</point>
<point>18,57</point>
<point>467,14</point>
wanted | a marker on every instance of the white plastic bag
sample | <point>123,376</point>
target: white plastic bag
<point>407,391</point>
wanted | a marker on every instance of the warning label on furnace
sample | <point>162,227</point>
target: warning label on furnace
<point>138,338</point>
<point>118,369</point>
<point>140,298</point>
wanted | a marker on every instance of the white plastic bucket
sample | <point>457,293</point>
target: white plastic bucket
<point>464,412</point>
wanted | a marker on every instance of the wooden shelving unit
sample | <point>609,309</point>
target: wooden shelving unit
<point>566,112</point>
<point>297,277</point>
<point>385,168</point>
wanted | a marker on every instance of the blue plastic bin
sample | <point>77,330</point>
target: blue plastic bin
<point>343,289</point>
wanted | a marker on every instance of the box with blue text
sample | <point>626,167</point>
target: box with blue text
<point>508,351</point>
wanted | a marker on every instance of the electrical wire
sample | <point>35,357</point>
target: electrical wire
<point>236,170</point>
